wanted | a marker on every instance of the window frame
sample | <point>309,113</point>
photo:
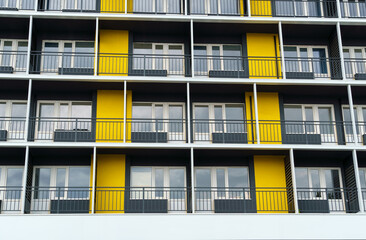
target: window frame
<point>14,50</point>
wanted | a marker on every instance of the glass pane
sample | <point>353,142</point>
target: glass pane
<point>14,183</point>
<point>198,6</point>
<point>229,7</point>
<point>291,60</point>
<point>159,58</point>
<point>42,183</point>
<point>203,183</point>
<point>348,120</point>
<point>219,123</point>
<point>315,183</point>
<point>238,177</point>
<point>67,55</point>
<point>216,60</point>
<point>141,176</point>
<point>18,114</point>
<point>332,183</point>
<point>314,9</point>
<point>7,54</point>
<point>293,119</point>
<point>176,183</point>
<point>46,111</point>
<point>232,58</point>
<point>309,117</point>
<point>175,118</point>
<point>82,112</point>
<point>360,64</point>
<point>159,182</point>
<point>319,61</point>
<point>202,119</point>
<point>159,125</point>
<point>347,62</point>
<point>2,109</point>
<point>200,61</point>
<point>141,116</point>
<point>79,182</point>
<point>143,6</point>
<point>142,58</point>
<point>325,118</point>
<point>364,114</point>
<point>220,183</point>
<point>173,6</point>
<point>84,55</point>
<point>60,182</point>
<point>304,60</point>
<point>362,173</point>
<point>21,58</point>
<point>214,6</point>
<point>234,119</point>
<point>175,59</point>
<point>302,178</point>
<point>284,8</point>
<point>3,120</point>
<point>50,59</point>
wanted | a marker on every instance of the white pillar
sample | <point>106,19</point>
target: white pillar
<point>96,44</point>
<point>124,110</point>
<point>193,182</point>
<point>338,9</point>
<point>358,183</point>
<point>24,182</point>
<point>192,49</point>
<point>294,185</point>
<point>185,7</point>
<point>248,5</point>
<point>256,113</point>
<point>30,31</point>
<point>27,120</point>
<point>188,119</point>
<point>35,5</point>
<point>93,178</point>
<point>340,46</point>
<point>282,52</point>
<point>352,112</point>
<point>126,6</point>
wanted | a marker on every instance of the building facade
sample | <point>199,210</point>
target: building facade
<point>183,119</point>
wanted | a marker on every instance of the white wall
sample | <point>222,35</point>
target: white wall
<point>172,227</point>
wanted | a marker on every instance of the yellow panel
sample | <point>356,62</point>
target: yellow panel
<point>115,6</point>
<point>113,52</point>
<point>260,8</point>
<point>110,105</point>
<point>270,182</point>
<point>268,116</point>
<point>110,183</point>
<point>263,55</point>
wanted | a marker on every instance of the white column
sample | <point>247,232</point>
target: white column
<point>249,12</point>
<point>256,112</point>
<point>124,110</point>
<point>358,183</point>
<point>193,182</point>
<point>340,46</point>
<point>96,44</point>
<point>24,182</point>
<point>192,48</point>
<point>29,98</point>
<point>93,178</point>
<point>352,112</point>
<point>338,9</point>
<point>35,5</point>
<point>30,31</point>
<point>294,185</point>
<point>188,119</point>
<point>126,6</point>
<point>282,52</point>
<point>185,7</point>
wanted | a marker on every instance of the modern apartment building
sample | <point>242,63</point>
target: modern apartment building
<point>182,119</point>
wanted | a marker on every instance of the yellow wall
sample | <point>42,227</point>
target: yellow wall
<point>113,52</point>
<point>260,8</point>
<point>110,183</point>
<point>115,6</point>
<point>110,108</point>
<point>263,55</point>
<point>268,116</point>
<point>270,182</point>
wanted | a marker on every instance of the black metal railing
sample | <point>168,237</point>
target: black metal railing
<point>13,61</point>
<point>157,7</point>
<point>294,8</point>
<point>311,68</point>
<point>353,9</point>
<point>355,68</point>
<point>144,64</point>
<point>71,6</point>
<point>10,199</point>
<point>58,199</point>
<point>363,192</point>
<point>325,200</point>
<point>237,67</point>
<point>17,5</point>
<point>62,63</point>
<point>12,128</point>
<point>217,7</point>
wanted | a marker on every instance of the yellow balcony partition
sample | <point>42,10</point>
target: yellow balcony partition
<point>116,6</point>
<point>113,53</point>
<point>110,183</point>
<point>264,58</point>
<point>268,117</point>
<point>110,113</point>
<point>270,183</point>
<point>261,8</point>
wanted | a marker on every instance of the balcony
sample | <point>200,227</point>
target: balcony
<point>10,199</point>
<point>355,68</point>
<point>13,62</point>
<point>71,6</point>
<point>62,63</point>
<point>12,128</point>
<point>15,5</point>
<point>353,9</point>
<point>217,7</point>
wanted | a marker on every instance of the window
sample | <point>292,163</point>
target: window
<point>310,119</point>
<point>57,5</point>
<point>67,54</point>
<point>158,6</point>
<point>307,59</point>
<point>12,118</point>
<point>299,8</point>
<point>217,57</point>
<point>61,182</point>
<point>360,118</point>
<point>353,8</point>
<point>354,58</point>
<point>215,7</point>
<point>159,56</point>
<point>14,54</point>
<point>11,179</point>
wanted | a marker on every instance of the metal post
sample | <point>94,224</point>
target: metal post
<point>185,7</point>
<point>192,49</point>
<point>96,46</point>
<point>30,31</point>
<point>26,127</point>
<point>294,186</point>
<point>358,183</point>
<point>340,46</point>
<point>256,112</point>
<point>126,6</point>
<point>282,52</point>
<point>193,182</point>
<point>352,112</point>
<point>124,110</point>
<point>35,5</point>
<point>249,12</point>
<point>93,178</point>
<point>338,9</point>
<point>25,174</point>
<point>188,113</point>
